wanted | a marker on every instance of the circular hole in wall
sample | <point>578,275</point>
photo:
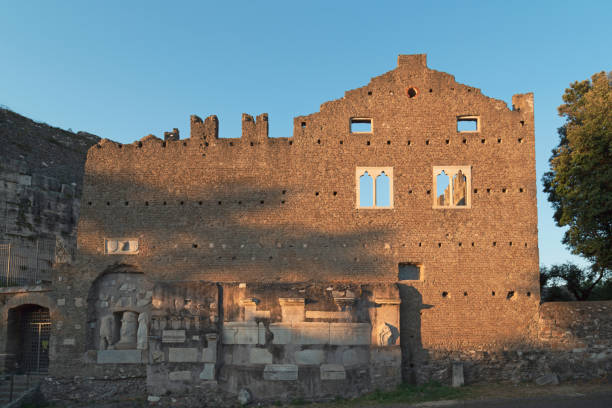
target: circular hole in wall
<point>412,92</point>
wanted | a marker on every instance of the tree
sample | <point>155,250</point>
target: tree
<point>579,183</point>
<point>579,283</point>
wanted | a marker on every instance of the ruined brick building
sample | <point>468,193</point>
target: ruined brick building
<point>394,233</point>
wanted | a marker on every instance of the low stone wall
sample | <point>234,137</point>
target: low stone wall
<point>573,343</point>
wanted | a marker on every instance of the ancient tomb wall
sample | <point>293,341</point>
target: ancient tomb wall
<point>34,206</point>
<point>256,209</point>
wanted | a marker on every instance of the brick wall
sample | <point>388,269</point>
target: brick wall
<point>261,209</point>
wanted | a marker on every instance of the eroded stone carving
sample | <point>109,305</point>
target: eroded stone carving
<point>128,332</point>
<point>107,328</point>
<point>121,246</point>
<point>142,334</point>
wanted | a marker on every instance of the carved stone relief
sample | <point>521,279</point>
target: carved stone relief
<point>121,246</point>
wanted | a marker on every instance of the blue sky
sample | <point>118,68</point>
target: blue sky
<point>124,69</point>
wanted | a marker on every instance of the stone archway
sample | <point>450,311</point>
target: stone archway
<point>29,332</point>
<point>22,317</point>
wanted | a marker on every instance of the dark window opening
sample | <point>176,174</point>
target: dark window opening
<point>408,271</point>
<point>412,92</point>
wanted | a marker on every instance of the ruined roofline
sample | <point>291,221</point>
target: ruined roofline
<point>256,130</point>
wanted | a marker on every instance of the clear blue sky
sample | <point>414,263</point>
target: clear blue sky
<point>124,69</point>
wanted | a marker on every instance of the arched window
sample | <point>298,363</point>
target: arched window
<point>452,185</point>
<point>459,189</point>
<point>366,190</point>
<point>374,187</point>
<point>442,189</point>
<point>383,198</point>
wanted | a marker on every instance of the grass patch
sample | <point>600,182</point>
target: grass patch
<point>406,393</point>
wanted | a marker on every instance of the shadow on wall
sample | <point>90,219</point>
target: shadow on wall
<point>413,354</point>
<point>236,231</point>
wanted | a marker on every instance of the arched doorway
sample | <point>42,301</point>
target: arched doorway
<point>29,327</point>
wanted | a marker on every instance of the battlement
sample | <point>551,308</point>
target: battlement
<point>405,95</point>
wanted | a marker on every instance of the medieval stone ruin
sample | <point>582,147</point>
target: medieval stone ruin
<point>392,238</point>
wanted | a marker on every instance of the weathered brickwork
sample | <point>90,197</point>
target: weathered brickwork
<point>256,263</point>
<point>261,209</point>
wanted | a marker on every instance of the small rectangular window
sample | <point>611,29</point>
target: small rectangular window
<point>361,125</point>
<point>408,271</point>
<point>468,124</point>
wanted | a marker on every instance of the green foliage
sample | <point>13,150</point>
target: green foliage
<point>579,183</point>
<point>570,282</point>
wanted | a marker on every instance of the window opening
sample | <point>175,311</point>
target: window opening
<point>366,186</point>
<point>374,187</point>
<point>382,190</point>
<point>442,189</point>
<point>468,124</point>
<point>459,189</point>
<point>452,186</point>
<point>408,271</point>
<point>361,125</point>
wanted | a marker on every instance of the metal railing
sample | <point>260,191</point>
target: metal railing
<point>23,263</point>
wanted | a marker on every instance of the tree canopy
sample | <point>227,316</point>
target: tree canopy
<point>579,183</point>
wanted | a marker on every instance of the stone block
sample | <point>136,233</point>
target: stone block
<point>61,302</point>
<point>24,180</point>
<point>352,356</point>
<point>208,372</point>
<point>457,374</point>
<point>281,372</point>
<point>69,342</point>
<point>120,357</point>
<point>209,354</point>
<point>309,357</point>
<point>310,333</point>
<point>292,309</point>
<point>261,334</point>
<point>349,334</point>
<point>548,379</point>
<point>333,372</point>
<point>316,314</point>
<point>180,376</point>
<point>183,355</point>
<point>157,356</point>
<point>281,332</point>
<point>260,356</point>
<point>78,302</point>
<point>173,336</point>
<point>240,333</point>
